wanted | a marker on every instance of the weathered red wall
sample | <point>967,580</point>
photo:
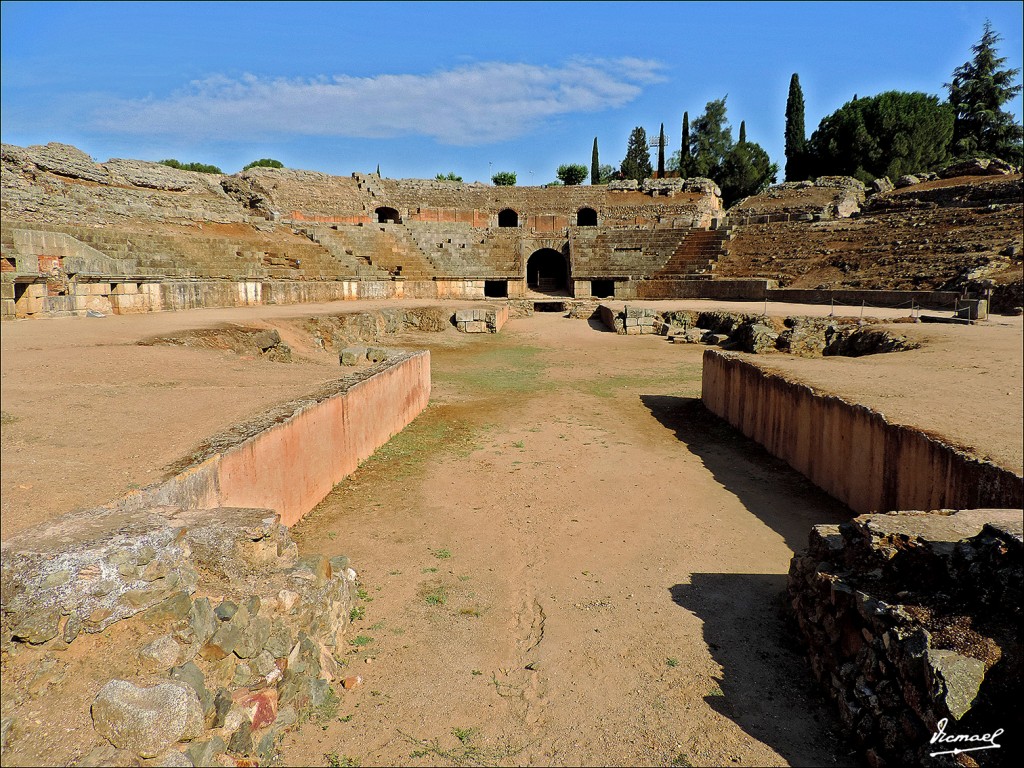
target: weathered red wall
<point>291,465</point>
<point>849,450</point>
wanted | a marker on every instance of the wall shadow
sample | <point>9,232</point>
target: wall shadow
<point>782,498</point>
<point>765,687</point>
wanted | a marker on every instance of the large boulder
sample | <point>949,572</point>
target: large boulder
<point>147,720</point>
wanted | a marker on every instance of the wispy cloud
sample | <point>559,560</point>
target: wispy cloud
<point>474,104</point>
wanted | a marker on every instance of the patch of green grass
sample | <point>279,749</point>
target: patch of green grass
<point>672,662</point>
<point>441,554</point>
<point>434,593</point>
<point>327,710</point>
<point>404,454</point>
<point>465,735</point>
<point>357,613</point>
<point>471,610</point>
<point>465,577</point>
<point>476,672</point>
<point>378,625</point>
<point>362,594</point>
<point>504,370</point>
<point>519,444</point>
<point>465,753</point>
<point>8,418</point>
<point>361,641</point>
<point>681,760</point>
<point>716,691</point>
<point>429,570</point>
<point>334,760</point>
<point>347,718</point>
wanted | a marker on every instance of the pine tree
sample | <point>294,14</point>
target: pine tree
<point>743,132</point>
<point>979,89</point>
<point>661,152</point>
<point>637,163</point>
<point>796,138</point>
<point>685,159</point>
<point>595,167</point>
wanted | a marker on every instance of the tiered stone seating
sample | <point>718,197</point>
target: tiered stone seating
<point>617,253</point>
<point>696,255</point>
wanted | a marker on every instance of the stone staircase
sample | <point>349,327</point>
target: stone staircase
<point>461,250</point>
<point>696,255</point>
<point>351,247</point>
<point>623,252</point>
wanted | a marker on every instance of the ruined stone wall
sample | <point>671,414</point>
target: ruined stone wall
<point>288,460</point>
<point>848,450</point>
<point>911,622</point>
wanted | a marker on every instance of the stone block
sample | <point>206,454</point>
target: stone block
<point>352,355</point>
<point>476,326</point>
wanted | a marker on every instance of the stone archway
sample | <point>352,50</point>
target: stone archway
<point>586,217</point>
<point>547,271</point>
<point>387,215</point>
<point>508,218</point>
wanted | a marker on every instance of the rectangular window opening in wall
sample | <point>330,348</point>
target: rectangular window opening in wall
<point>602,289</point>
<point>19,291</point>
<point>496,289</point>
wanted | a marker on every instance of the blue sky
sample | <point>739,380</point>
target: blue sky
<point>423,88</point>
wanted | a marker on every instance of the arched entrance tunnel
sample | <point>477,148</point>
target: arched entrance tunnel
<point>547,271</point>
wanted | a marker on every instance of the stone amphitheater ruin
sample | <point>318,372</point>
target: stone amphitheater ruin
<point>578,439</point>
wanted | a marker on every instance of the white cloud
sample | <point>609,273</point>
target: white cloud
<point>474,104</point>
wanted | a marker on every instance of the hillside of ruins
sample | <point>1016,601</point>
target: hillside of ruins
<point>351,470</point>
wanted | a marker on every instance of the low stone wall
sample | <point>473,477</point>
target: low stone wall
<point>853,298</point>
<point>911,622</point>
<point>481,320</point>
<point>288,459</point>
<point>134,296</point>
<point>848,450</point>
<point>629,321</point>
<point>738,289</point>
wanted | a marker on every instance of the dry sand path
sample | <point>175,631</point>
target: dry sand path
<point>566,562</point>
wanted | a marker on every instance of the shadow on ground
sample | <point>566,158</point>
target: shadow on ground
<point>766,687</point>
<point>777,494</point>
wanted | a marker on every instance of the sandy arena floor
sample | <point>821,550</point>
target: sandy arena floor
<point>565,560</point>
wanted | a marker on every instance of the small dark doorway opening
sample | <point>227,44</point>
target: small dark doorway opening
<point>547,271</point>
<point>586,217</point>
<point>387,215</point>
<point>602,289</point>
<point>508,218</point>
<point>496,289</point>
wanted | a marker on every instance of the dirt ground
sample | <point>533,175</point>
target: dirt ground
<point>563,561</point>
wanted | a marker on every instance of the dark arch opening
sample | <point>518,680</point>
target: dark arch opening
<point>387,215</point>
<point>547,271</point>
<point>508,218</point>
<point>586,217</point>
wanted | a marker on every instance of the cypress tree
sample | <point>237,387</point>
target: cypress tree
<point>743,132</point>
<point>796,138</point>
<point>685,161</point>
<point>661,152</point>
<point>595,168</point>
<point>637,163</point>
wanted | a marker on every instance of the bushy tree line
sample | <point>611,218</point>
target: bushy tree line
<point>200,167</point>
<point>896,133</point>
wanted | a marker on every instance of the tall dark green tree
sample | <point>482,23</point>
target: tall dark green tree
<point>637,162</point>
<point>711,139</point>
<point>595,166</point>
<point>661,152</point>
<point>685,158</point>
<point>979,89</point>
<point>796,136</point>
<point>891,134</point>
<point>743,132</point>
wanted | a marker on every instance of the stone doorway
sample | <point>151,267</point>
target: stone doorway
<point>547,271</point>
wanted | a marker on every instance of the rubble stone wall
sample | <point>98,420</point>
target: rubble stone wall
<point>911,622</point>
<point>849,450</point>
